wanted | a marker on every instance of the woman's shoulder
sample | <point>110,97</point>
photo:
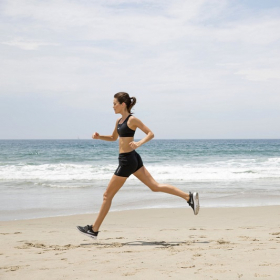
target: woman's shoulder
<point>133,118</point>
<point>134,121</point>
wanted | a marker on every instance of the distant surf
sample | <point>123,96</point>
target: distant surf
<point>40,178</point>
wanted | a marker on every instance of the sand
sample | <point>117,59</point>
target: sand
<point>221,243</point>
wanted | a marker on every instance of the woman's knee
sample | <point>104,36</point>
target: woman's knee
<point>155,187</point>
<point>107,196</point>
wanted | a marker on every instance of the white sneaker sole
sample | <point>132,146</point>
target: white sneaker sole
<point>196,203</point>
<point>88,235</point>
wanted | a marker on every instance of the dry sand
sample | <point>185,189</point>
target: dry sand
<point>222,243</point>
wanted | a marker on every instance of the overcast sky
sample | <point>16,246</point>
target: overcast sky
<point>199,69</point>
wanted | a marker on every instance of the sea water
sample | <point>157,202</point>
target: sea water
<point>41,178</point>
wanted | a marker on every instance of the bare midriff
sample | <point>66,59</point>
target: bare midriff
<point>124,144</point>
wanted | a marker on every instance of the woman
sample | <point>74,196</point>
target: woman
<point>130,162</point>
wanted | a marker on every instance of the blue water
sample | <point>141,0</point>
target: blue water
<point>40,178</point>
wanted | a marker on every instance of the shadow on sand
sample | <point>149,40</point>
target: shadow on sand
<point>144,243</point>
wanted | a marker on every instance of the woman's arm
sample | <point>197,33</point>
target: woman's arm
<point>112,137</point>
<point>134,122</point>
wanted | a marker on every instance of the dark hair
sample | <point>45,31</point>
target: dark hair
<point>124,97</point>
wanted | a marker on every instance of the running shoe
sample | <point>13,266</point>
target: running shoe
<point>87,230</point>
<point>194,202</point>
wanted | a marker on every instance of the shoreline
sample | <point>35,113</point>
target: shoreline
<point>136,209</point>
<point>220,243</point>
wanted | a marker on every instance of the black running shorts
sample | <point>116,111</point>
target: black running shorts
<point>128,164</point>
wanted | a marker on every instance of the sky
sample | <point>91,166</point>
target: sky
<point>204,69</point>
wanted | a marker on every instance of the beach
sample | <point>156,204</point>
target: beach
<point>219,243</point>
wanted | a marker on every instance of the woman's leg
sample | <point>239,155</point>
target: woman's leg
<point>145,177</point>
<point>114,185</point>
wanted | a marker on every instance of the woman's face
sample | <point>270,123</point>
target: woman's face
<point>117,106</point>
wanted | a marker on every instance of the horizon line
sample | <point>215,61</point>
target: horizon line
<point>140,138</point>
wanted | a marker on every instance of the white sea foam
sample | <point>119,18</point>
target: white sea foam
<point>229,170</point>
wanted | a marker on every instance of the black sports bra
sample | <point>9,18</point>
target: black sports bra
<point>124,130</point>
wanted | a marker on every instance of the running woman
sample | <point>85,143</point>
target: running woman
<point>130,162</point>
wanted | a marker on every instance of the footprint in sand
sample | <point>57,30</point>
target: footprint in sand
<point>244,237</point>
<point>197,255</point>
<point>12,268</point>
<point>221,241</point>
<point>191,266</point>
<point>5,233</point>
<point>129,274</point>
<point>29,245</point>
<point>114,245</point>
<point>261,275</point>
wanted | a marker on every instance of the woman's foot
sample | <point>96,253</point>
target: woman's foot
<point>194,202</point>
<point>87,230</point>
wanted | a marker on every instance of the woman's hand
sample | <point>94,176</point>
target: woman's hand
<point>134,145</point>
<point>95,135</point>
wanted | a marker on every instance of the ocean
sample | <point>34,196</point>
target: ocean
<point>43,178</point>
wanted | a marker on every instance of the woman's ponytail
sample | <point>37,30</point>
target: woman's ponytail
<point>133,102</point>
